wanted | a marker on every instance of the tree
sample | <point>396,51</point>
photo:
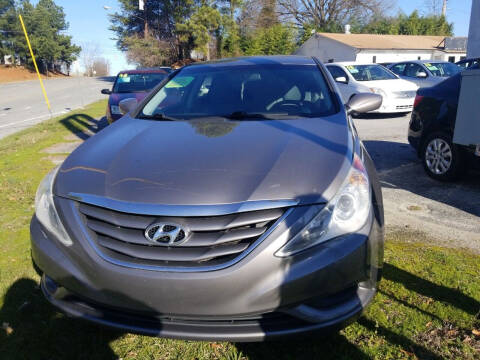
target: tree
<point>414,24</point>
<point>90,53</point>
<point>268,14</point>
<point>147,51</point>
<point>199,28</point>
<point>275,40</point>
<point>325,14</point>
<point>7,14</point>
<point>161,19</point>
<point>45,23</point>
<point>101,67</point>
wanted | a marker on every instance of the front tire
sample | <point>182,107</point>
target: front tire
<point>442,160</point>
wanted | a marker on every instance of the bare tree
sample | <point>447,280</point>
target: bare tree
<point>322,13</point>
<point>90,53</point>
<point>101,66</point>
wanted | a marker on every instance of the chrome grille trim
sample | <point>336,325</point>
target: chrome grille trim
<point>184,269</point>
<point>180,210</point>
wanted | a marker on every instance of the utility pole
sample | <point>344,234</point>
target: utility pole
<point>444,8</point>
<point>141,6</point>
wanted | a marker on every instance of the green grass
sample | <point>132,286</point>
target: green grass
<point>426,308</point>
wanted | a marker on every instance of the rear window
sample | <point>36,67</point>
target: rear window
<point>208,91</point>
<point>128,83</point>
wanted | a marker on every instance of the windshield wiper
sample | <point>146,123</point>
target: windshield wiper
<point>243,115</point>
<point>158,116</point>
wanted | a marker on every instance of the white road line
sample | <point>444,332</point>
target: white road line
<point>31,119</point>
<point>28,108</point>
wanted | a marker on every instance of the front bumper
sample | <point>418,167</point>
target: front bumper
<point>396,105</point>
<point>260,297</point>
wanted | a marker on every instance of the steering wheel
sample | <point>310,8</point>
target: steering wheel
<point>287,106</point>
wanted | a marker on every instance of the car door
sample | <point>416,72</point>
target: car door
<point>343,82</point>
<point>399,69</point>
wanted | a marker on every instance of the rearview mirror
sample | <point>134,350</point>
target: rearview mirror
<point>364,102</point>
<point>127,105</point>
<point>106,91</point>
<point>341,79</point>
<point>422,75</point>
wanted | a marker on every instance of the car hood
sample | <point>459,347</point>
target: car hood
<point>391,85</point>
<point>115,98</point>
<point>210,162</point>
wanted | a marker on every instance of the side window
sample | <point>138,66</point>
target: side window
<point>413,70</point>
<point>337,72</point>
<point>399,69</point>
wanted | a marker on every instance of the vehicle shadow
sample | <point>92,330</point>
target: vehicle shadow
<point>34,330</point>
<point>429,289</point>
<point>399,167</point>
<point>84,126</point>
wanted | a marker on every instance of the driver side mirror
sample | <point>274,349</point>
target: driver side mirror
<point>422,75</point>
<point>364,102</point>
<point>341,79</point>
<point>106,91</point>
<point>127,105</point>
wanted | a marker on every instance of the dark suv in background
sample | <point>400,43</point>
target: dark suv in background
<point>431,131</point>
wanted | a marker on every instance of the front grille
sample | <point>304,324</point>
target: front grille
<point>404,107</point>
<point>212,240</point>
<point>405,94</point>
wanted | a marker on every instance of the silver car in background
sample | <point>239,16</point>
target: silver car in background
<point>425,73</point>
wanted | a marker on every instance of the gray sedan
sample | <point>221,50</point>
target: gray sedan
<point>425,73</point>
<point>236,202</point>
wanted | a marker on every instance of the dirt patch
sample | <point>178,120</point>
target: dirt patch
<point>62,148</point>
<point>56,159</point>
<point>19,73</point>
<point>450,335</point>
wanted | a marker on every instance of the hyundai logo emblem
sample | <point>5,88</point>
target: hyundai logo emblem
<point>166,234</point>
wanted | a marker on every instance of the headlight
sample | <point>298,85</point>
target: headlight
<point>379,92</point>
<point>46,212</point>
<point>346,213</point>
<point>115,110</point>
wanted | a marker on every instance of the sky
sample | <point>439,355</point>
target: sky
<point>89,23</point>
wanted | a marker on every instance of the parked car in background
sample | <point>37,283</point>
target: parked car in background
<point>468,63</point>
<point>431,131</point>
<point>425,73</point>
<point>131,84</point>
<point>354,78</point>
<point>238,203</point>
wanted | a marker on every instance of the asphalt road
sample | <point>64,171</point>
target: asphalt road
<point>22,104</point>
<point>448,213</point>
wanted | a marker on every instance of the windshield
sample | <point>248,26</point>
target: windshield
<point>243,92</point>
<point>370,72</point>
<point>128,83</point>
<point>443,69</point>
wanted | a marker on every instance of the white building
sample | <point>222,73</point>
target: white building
<point>374,48</point>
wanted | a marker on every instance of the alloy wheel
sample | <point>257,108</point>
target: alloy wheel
<point>438,156</point>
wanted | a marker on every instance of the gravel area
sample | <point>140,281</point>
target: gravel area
<point>448,213</point>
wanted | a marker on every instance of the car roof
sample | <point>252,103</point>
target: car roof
<point>421,62</point>
<point>144,71</point>
<point>256,60</point>
<point>347,63</point>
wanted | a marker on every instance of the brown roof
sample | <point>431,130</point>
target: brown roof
<point>376,41</point>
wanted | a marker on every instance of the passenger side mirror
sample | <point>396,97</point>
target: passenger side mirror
<point>364,102</point>
<point>106,91</point>
<point>422,75</point>
<point>127,105</point>
<point>341,79</point>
